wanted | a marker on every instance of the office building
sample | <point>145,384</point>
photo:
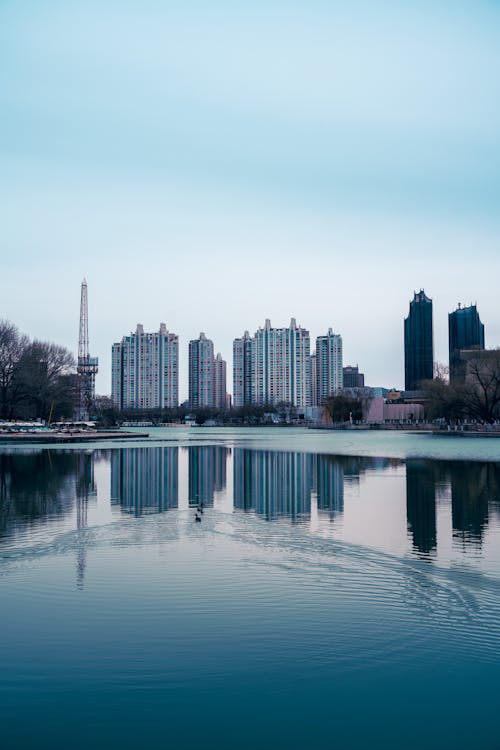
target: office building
<point>352,377</point>
<point>466,333</point>
<point>145,370</point>
<point>419,347</point>
<point>329,374</point>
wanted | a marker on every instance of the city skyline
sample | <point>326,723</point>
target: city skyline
<point>274,365</point>
<point>354,362</point>
<point>192,181</point>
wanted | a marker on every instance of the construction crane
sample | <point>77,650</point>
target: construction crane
<point>87,366</point>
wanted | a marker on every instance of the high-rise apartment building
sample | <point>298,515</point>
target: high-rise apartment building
<point>201,373</point>
<point>329,373</point>
<point>466,333</point>
<point>273,366</point>
<point>281,365</point>
<point>314,390</point>
<point>419,347</point>
<point>242,371</point>
<point>220,386</point>
<point>145,370</point>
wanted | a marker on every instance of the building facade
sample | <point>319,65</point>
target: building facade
<point>314,380</point>
<point>466,333</point>
<point>145,370</point>
<point>201,373</point>
<point>281,365</point>
<point>242,371</point>
<point>419,344</point>
<point>329,372</point>
<point>353,378</point>
<point>220,386</point>
<point>272,367</point>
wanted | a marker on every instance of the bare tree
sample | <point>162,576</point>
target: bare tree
<point>12,347</point>
<point>45,374</point>
<point>343,408</point>
<point>442,400</point>
<point>482,385</point>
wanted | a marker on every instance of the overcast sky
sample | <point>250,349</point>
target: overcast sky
<point>213,164</point>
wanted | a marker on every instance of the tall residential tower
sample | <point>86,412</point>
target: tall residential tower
<point>329,373</point>
<point>201,373</point>
<point>145,370</point>
<point>273,366</point>
<point>242,371</point>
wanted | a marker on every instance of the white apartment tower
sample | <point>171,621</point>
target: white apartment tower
<point>220,386</point>
<point>201,373</point>
<point>272,367</point>
<point>145,370</point>
<point>314,380</point>
<point>242,371</point>
<point>329,375</point>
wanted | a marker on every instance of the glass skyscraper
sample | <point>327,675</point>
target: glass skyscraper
<point>466,332</point>
<point>419,347</point>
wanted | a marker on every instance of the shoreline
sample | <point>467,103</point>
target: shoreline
<point>71,437</point>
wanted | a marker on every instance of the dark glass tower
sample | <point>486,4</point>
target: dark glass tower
<point>419,348</point>
<point>466,332</point>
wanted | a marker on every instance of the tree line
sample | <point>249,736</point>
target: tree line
<point>473,396</point>
<point>109,415</point>
<point>37,378</point>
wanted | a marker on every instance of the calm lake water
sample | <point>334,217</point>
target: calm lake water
<point>340,591</point>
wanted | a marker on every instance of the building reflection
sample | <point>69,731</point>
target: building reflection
<point>329,486</point>
<point>85,488</point>
<point>273,484</point>
<point>471,489</point>
<point>145,480</point>
<point>35,486</point>
<point>421,505</point>
<point>207,473</point>
<point>40,487</point>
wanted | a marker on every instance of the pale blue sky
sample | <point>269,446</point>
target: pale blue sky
<point>213,164</point>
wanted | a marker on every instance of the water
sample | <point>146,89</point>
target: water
<point>323,600</point>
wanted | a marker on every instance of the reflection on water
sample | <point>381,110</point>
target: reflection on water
<point>474,490</point>
<point>343,591</point>
<point>273,484</point>
<point>145,480</point>
<point>421,505</point>
<point>207,473</point>
<point>85,489</point>
<point>40,488</point>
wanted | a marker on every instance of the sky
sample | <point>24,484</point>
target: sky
<point>211,165</point>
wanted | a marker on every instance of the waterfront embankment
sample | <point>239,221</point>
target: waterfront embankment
<point>69,437</point>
